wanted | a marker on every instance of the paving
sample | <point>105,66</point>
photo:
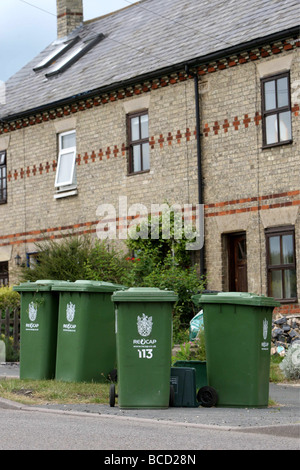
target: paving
<point>281,418</point>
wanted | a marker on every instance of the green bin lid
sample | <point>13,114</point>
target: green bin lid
<point>40,285</point>
<point>240,298</point>
<point>144,294</point>
<point>87,286</point>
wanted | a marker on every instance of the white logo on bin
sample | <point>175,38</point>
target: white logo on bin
<point>70,312</point>
<point>264,344</point>
<point>265,328</point>
<point>144,325</point>
<point>32,311</point>
<point>32,314</point>
<point>145,347</point>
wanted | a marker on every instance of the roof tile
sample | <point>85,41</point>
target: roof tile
<point>145,37</point>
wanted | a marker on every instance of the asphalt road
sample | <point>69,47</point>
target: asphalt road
<point>44,430</point>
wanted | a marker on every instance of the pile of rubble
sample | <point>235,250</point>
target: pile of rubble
<point>285,331</point>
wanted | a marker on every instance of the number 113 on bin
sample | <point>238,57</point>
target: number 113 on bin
<point>144,327</point>
<point>145,353</point>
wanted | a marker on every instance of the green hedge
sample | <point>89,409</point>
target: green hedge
<point>9,298</point>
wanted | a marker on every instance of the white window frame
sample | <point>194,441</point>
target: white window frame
<point>71,182</point>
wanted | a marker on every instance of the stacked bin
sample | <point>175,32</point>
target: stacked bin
<point>38,332</point>
<point>86,343</point>
<point>183,381</point>
<point>144,344</point>
<point>200,369</point>
<point>237,328</point>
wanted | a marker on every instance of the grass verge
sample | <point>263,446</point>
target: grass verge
<point>41,392</point>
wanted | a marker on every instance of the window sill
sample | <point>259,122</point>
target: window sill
<point>287,301</point>
<point>278,144</point>
<point>138,173</point>
<point>65,193</point>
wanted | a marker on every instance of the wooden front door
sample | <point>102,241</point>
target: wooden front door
<point>238,263</point>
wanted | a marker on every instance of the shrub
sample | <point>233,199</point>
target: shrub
<point>191,350</point>
<point>185,282</point>
<point>166,263</point>
<point>63,261</point>
<point>149,241</point>
<point>104,265</point>
<point>9,298</point>
<point>74,258</point>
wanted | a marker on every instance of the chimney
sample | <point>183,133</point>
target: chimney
<point>69,16</point>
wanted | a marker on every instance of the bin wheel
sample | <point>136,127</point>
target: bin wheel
<point>172,396</point>
<point>112,395</point>
<point>207,396</point>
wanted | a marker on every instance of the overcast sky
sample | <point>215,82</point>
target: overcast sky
<point>28,26</point>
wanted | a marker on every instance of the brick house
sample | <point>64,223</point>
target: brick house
<point>163,101</point>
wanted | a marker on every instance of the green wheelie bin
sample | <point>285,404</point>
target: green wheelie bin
<point>183,381</point>
<point>38,331</point>
<point>144,344</point>
<point>200,368</point>
<point>237,329</point>
<point>86,343</point>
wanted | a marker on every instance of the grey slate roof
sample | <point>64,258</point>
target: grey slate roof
<point>148,36</point>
